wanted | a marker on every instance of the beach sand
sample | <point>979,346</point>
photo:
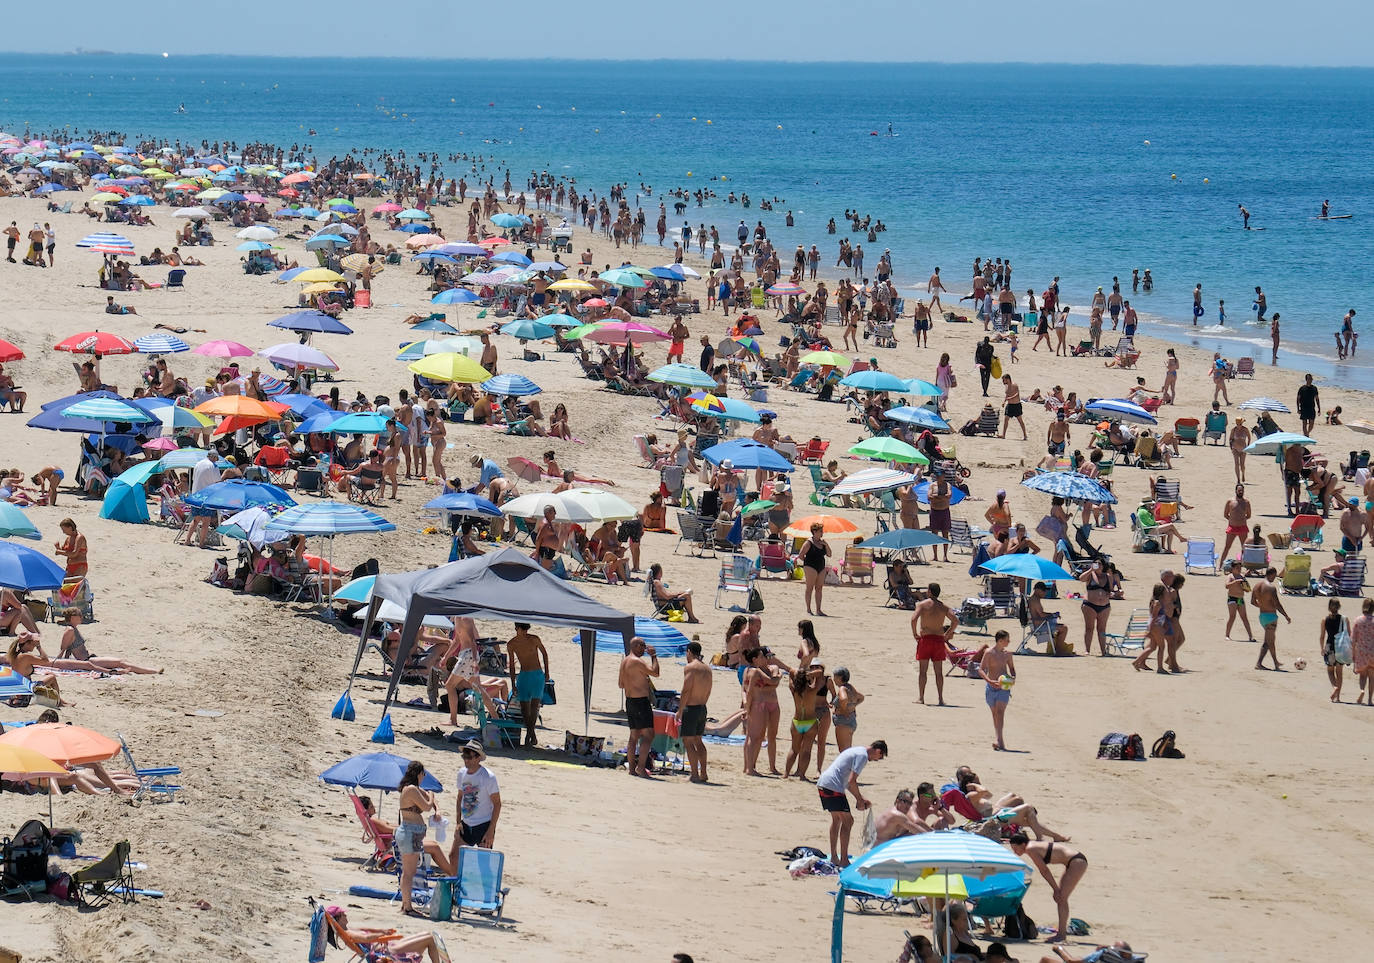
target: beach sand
<point>1250,845</point>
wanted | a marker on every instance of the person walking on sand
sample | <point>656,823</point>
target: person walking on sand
<point>928,626</point>
<point>1265,597</point>
<point>529,670</point>
<point>1043,855</point>
<point>691,710</point>
<point>1239,440</point>
<point>998,670</point>
<point>1237,514</point>
<point>933,287</point>
<point>1236,587</point>
<point>842,776</point>
<point>1331,627</point>
<point>635,674</point>
<point>1309,405</point>
<point>1362,652</point>
<point>1012,407</point>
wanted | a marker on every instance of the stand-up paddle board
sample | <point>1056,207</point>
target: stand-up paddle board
<point>1333,217</point>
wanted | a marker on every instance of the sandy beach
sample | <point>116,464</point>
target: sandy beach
<point>1249,845</point>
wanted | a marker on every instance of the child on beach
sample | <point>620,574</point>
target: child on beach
<point>1221,313</point>
<point>999,674</point>
<point>1012,339</point>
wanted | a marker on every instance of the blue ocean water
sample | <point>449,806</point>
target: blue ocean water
<point>1046,165</point>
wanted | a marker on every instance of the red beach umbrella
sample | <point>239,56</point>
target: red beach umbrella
<point>95,342</point>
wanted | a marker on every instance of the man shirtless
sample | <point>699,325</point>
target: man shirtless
<point>898,821</point>
<point>921,324</point>
<point>1352,527</point>
<point>933,287</point>
<point>931,810</point>
<point>1114,304</point>
<point>691,710</point>
<point>1012,407</point>
<point>1265,597</point>
<point>1237,514</point>
<point>932,639</point>
<point>529,670</point>
<point>639,706</point>
<point>1058,435</point>
<point>547,539</point>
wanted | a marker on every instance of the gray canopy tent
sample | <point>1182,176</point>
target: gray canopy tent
<point>506,585</point>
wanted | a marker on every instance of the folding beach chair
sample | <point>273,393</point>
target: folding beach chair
<point>176,279</point>
<point>858,564</point>
<point>1245,368</point>
<point>381,842</point>
<point>697,532</point>
<point>109,878</point>
<point>152,782</point>
<point>736,575</point>
<point>1253,558</point>
<point>1297,574</point>
<point>1041,632</point>
<point>1307,530</point>
<point>1002,590</point>
<point>821,496</point>
<point>1187,429</point>
<point>1214,427</point>
<point>814,452</point>
<point>1350,581</point>
<point>502,731</point>
<point>1132,639</point>
<point>987,422</point>
<point>478,890</point>
<point>773,558</point>
<point>75,595</point>
<point>1201,553</point>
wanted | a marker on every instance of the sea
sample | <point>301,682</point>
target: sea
<point>1081,172</point>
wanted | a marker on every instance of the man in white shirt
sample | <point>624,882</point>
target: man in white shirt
<point>479,801</point>
<point>203,475</point>
<point>840,777</point>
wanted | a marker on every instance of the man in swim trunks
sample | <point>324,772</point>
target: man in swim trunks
<point>932,639</point>
<point>639,707</point>
<point>1265,597</point>
<point>1012,408</point>
<point>691,710</point>
<point>840,777</point>
<point>547,539</point>
<point>996,665</point>
<point>529,670</point>
<point>898,821</point>
<point>1237,514</point>
<point>1129,320</point>
<point>1352,527</point>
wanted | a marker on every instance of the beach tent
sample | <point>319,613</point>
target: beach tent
<point>505,585</point>
<point>125,503</point>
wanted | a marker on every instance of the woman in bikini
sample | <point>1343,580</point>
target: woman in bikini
<point>998,515</point>
<point>74,653</point>
<point>1097,607</point>
<point>438,438</point>
<point>386,944</point>
<point>1238,440</point>
<point>558,423</point>
<point>804,722</point>
<point>844,704</point>
<point>1236,590</point>
<point>808,658</point>
<point>1043,855</point>
<point>391,455</point>
<point>1156,638</point>
<point>74,547</point>
<point>410,831</point>
<point>1166,391</point>
<point>761,710</point>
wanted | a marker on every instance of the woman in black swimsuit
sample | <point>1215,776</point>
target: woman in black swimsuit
<point>1097,607</point>
<point>814,552</point>
<point>1176,640</point>
<point>1042,856</point>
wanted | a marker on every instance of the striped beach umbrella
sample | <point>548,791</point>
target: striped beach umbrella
<point>663,636</point>
<point>873,480</point>
<point>1122,410</point>
<point>1071,485</point>
<point>510,384</point>
<point>786,289</point>
<point>1264,404</point>
<point>160,344</point>
<point>327,518</point>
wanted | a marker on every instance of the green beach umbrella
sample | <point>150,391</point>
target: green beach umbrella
<point>889,449</point>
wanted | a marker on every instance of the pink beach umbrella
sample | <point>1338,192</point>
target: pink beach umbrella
<point>627,332</point>
<point>224,349</point>
<point>387,207</point>
<point>162,444</point>
<point>786,289</point>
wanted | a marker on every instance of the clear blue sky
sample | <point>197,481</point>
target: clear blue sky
<point>1259,32</point>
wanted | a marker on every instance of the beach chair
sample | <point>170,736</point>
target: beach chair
<point>381,842</point>
<point>107,879</point>
<point>858,564</point>
<point>903,596</point>
<point>176,280</point>
<point>832,314</point>
<point>736,575</point>
<point>375,950</point>
<point>1245,368</point>
<point>1350,581</point>
<point>697,532</point>
<point>996,897</point>
<point>799,380</point>
<point>814,452</point>
<point>884,335</point>
<point>1168,492</point>
<point>75,595</point>
<point>1307,530</point>
<point>773,558</point>
<point>1132,639</point>
<point>887,518</point>
<point>1201,553</point>
<point>1147,452</point>
<point>1214,427</point>
<point>152,782</point>
<point>987,423</point>
<point>1042,633</point>
<point>1187,429</point>
<point>821,496</point>
<point>1253,558</point>
<point>1002,590</point>
<point>276,462</point>
<point>1296,578</point>
<point>478,889</point>
<point>961,535</point>
<point>502,731</point>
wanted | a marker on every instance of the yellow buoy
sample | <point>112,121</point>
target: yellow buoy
<point>1173,177</point>
<point>1206,180</point>
<point>689,173</point>
<point>724,178</point>
<point>708,122</point>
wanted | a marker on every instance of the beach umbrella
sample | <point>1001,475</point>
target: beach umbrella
<point>318,422</point>
<point>257,232</point>
<point>874,381</point>
<point>358,423</point>
<point>922,493</point>
<point>1272,443</point>
<point>140,473</point>
<point>450,366</point>
<point>1027,566</point>
<point>434,257</point>
<point>375,770</point>
<point>107,409</point>
<point>1121,410</point>
<point>303,405</point>
<point>623,278</point>
<point>160,344</point>
<point>529,329</point>
<point>14,523</point>
<point>254,246</point>
<point>533,504</point>
<point>24,568</point>
<point>917,416</point>
<point>600,504</point>
<point>21,763</point>
<point>746,454</point>
<point>732,409</point>
<point>682,375</point>
<point>321,287</point>
<point>183,458</point>
<point>50,189</point>
<point>548,267</point>
<point>674,272</point>
<point>240,406</point>
<point>409,214</point>
<point>463,249</point>
<point>1071,485</point>
<point>455,296</point>
<point>873,480</point>
<point>327,519</point>
<point>325,241</point>
<point>358,590</point>
<point>511,257</point>
<point>95,342</point>
<point>230,197</point>
<point>9,352</point>
<point>464,503</point>
<point>889,449</point>
<point>236,494</point>
<point>505,220</point>
<point>193,213</point>
<point>313,322</point>
<point>1264,404</point>
<point>497,276</point>
<point>830,525</point>
<point>160,443</point>
<point>626,333</point>
<point>915,386</point>
<point>667,641</point>
<point>1363,425</point>
<point>223,349</point>
<point>295,355</point>
<point>903,539</point>
<point>138,200</point>
<point>455,345</point>
<point>414,227</point>
<point>314,275</point>
<point>825,359</point>
<point>786,289</point>
<point>707,403</point>
<point>572,284</point>
<point>249,525</point>
<point>357,262</point>
<point>386,207</point>
<point>510,384</point>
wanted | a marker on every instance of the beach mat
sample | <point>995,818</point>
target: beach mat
<point>724,740</point>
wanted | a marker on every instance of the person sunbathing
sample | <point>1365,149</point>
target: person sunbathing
<point>662,594</point>
<point>550,469</point>
<point>73,649</point>
<point>386,944</point>
<point>1011,808</point>
<point>12,489</point>
<point>93,780</point>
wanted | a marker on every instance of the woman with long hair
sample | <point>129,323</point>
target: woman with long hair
<point>410,831</point>
<point>761,709</point>
<point>808,657</point>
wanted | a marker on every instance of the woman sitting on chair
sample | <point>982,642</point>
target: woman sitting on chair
<point>383,944</point>
<point>666,599</point>
<point>360,482</point>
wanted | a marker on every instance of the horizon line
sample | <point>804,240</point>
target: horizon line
<point>97,54</point>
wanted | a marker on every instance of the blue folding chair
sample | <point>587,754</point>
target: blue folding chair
<point>479,888</point>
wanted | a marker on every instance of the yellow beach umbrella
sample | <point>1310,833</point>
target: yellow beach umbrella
<point>211,193</point>
<point>450,366</point>
<point>26,762</point>
<point>318,274</point>
<point>572,284</point>
<point>827,359</point>
<point>320,287</point>
<point>932,885</point>
<point>105,197</point>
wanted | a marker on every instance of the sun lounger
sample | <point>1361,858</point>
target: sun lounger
<point>152,782</point>
<point>1132,639</point>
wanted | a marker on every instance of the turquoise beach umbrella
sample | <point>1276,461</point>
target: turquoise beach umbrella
<point>14,523</point>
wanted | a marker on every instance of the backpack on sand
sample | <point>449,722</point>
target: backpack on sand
<point>1164,747</point>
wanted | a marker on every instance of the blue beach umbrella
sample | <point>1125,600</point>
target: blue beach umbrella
<point>462,249</point>
<point>874,381</point>
<point>161,344</point>
<point>434,257</point>
<point>923,417</point>
<point>511,257</point>
<point>182,458</point>
<point>922,493</point>
<point>236,494</point>
<point>504,220</point>
<point>1027,566</point>
<point>314,322</point>
<point>529,329</point>
<point>463,503</point>
<point>254,246</point>
<point>736,410</point>
<point>745,453</point>
<point>682,375</point>
<point>915,386</point>
<point>51,189</point>
<point>171,415</point>
<point>434,324</point>
<point>303,405</point>
<point>663,636</point>
<point>23,568</point>
<point>108,409</point>
<point>454,296</point>
<point>414,228</point>
<point>14,523</point>
<point>1121,410</point>
<point>328,519</point>
<point>902,539</point>
<point>359,590</point>
<point>375,770</point>
<point>319,422</point>
<point>231,197</point>
<point>510,384</point>
<point>140,473</point>
<point>290,273</point>
<point>1271,443</point>
<point>548,267</point>
<point>1071,485</point>
<point>322,241</point>
<point>623,278</point>
<point>358,423</point>
<point>138,200</point>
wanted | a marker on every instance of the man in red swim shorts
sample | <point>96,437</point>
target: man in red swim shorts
<point>1237,512</point>
<point>928,625</point>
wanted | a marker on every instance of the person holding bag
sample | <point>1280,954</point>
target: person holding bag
<point>1335,642</point>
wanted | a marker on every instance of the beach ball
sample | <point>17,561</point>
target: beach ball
<point>1006,682</point>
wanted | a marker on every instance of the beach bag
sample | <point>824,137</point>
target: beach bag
<point>953,380</point>
<point>1018,926</point>
<point>584,747</point>
<point>1120,746</point>
<point>550,693</point>
<point>995,369</point>
<point>1344,655</point>
<point>1164,747</point>
<point>720,659</point>
<point>755,603</point>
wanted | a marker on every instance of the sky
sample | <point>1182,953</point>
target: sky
<point>1322,33</point>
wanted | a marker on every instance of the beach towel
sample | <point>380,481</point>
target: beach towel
<point>318,940</point>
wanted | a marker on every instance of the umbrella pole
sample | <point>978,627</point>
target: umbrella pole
<point>947,924</point>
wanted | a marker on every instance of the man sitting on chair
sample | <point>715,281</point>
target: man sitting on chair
<point>1058,631</point>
